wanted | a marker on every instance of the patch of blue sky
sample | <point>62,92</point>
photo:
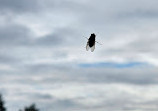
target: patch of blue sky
<point>114,65</point>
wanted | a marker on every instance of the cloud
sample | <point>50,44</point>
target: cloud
<point>19,6</point>
<point>7,59</point>
<point>14,35</point>
<point>43,54</point>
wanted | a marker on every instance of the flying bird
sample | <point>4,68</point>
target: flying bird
<point>91,42</point>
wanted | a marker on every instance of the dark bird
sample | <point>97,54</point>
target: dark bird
<point>91,42</point>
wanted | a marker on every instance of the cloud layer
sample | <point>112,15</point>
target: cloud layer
<point>43,57</point>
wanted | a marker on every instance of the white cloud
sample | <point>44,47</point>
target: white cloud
<point>42,46</point>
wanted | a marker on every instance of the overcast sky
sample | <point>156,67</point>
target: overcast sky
<point>43,59</point>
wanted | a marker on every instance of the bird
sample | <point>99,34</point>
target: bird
<point>91,42</point>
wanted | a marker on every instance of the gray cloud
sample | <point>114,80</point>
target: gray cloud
<point>38,96</point>
<point>18,35</point>
<point>19,6</point>
<point>44,68</point>
<point>59,37</point>
<point>14,35</point>
<point>145,75</point>
<point>7,59</point>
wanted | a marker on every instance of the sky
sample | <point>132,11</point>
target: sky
<point>43,59</point>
